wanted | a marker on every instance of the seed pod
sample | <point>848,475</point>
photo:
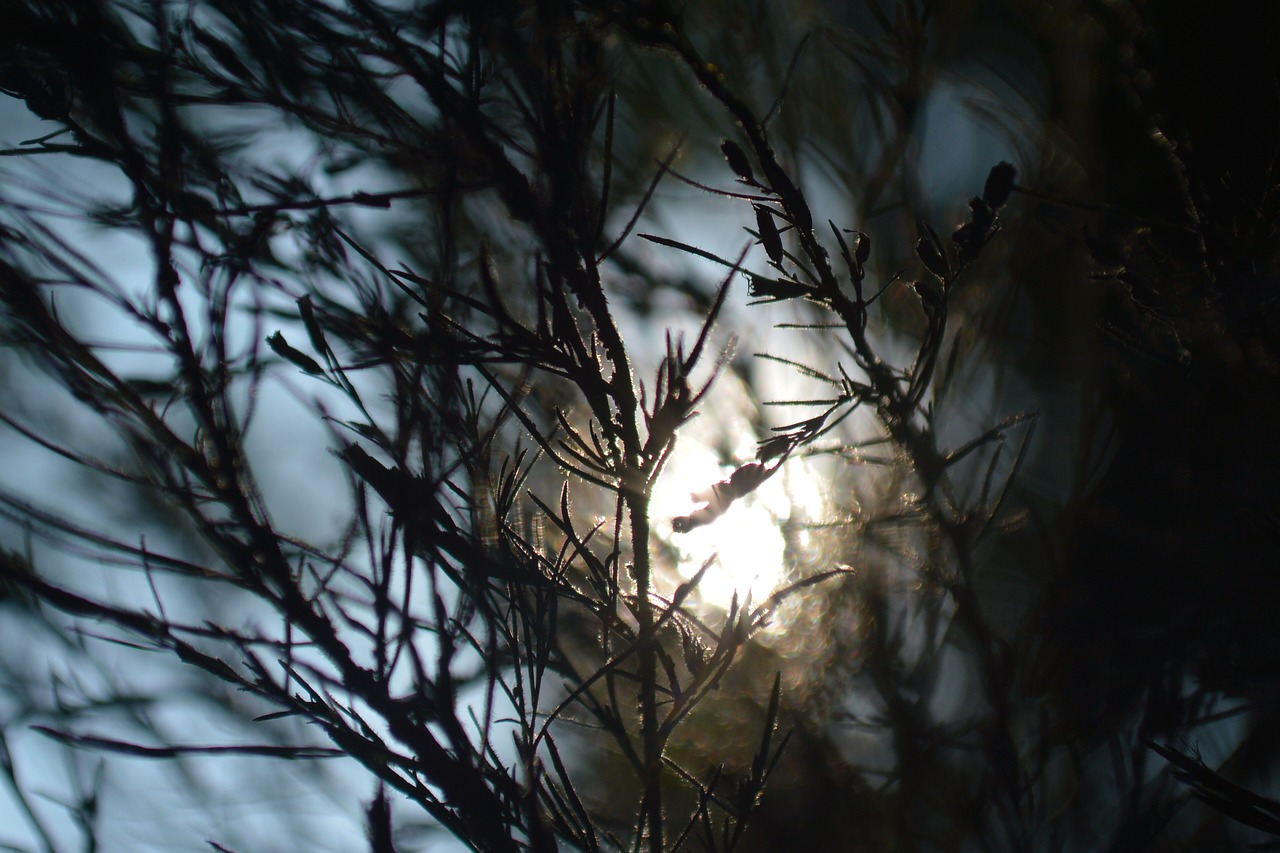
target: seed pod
<point>768,233</point>
<point>977,232</point>
<point>981,213</point>
<point>717,498</point>
<point>773,447</point>
<point>314,331</point>
<point>800,214</point>
<point>999,184</point>
<point>698,518</point>
<point>862,248</point>
<point>929,255</point>
<point>760,287</point>
<point>737,160</point>
<point>747,479</point>
<point>969,239</point>
<point>390,483</point>
<point>931,297</point>
<point>287,352</point>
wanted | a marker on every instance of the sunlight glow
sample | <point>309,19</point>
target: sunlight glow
<point>747,540</point>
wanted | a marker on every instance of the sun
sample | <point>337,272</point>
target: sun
<point>747,541</point>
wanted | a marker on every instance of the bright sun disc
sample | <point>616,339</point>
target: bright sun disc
<point>746,541</point>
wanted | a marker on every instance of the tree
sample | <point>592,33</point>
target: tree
<point>502,614</point>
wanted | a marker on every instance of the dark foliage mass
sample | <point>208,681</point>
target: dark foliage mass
<point>1018,263</point>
